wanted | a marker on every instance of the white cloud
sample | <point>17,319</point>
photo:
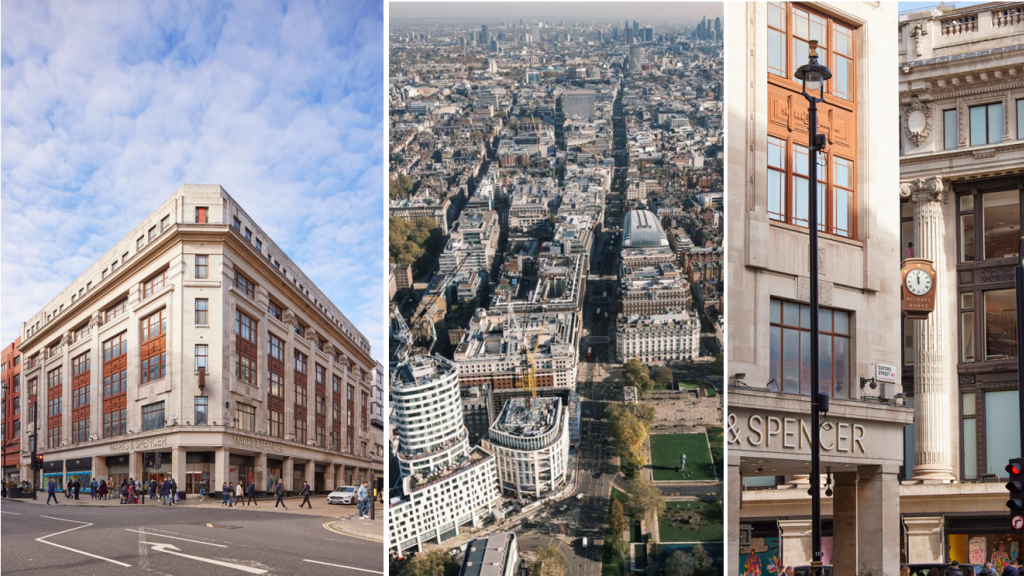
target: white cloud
<point>108,108</point>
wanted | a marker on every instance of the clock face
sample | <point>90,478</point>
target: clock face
<point>919,282</point>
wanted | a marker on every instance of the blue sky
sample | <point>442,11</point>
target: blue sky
<point>108,107</point>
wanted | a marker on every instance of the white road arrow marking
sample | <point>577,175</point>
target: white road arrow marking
<point>83,525</point>
<point>174,538</point>
<point>169,547</point>
<point>341,566</point>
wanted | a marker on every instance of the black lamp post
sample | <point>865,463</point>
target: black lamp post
<point>813,75</point>
<point>3,431</point>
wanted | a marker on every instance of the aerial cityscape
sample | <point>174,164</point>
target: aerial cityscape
<point>556,281</point>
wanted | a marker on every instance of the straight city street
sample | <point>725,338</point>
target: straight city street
<point>192,540</point>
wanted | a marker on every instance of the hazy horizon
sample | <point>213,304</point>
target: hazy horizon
<point>581,11</point>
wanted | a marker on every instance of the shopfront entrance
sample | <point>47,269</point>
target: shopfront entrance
<point>53,470</point>
<point>318,479</point>
<point>242,469</point>
<point>80,469</point>
<point>117,471</point>
<point>158,474</point>
<point>197,471</point>
<point>273,473</point>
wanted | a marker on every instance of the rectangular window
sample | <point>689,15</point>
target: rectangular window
<point>17,384</point>
<point>777,39</point>
<point>321,405</point>
<point>139,244</point>
<point>986,124</point>
<point>336,411</point>
<point>153,416</point>
<point>967,252</point>
<point>237,223</point>
<point>54,378</point>
<point>1001,219</point>
<point>245,369</point>
<point>82,333</point>
<point>53,437</point>
<point>80,431</point>
<point>967,327</point>
<point>80,365</point>
<point>276,385</point>
<point>1020,119</point>
<point>154,367</point>
<point>275,347</point>
<point>1000,325</point>
<point>202,308</point>
<point>300,430</point>
<point>776,179</point>
<point>274,310</point>
<point>1000,443</point>
<point>165,223</point>
<point>300,362</point>
<point>115,383</point>
<point>202,406</point>
<point>202,266</point>
<point>259,244</point>
<point>949,129</point>
<point>115,347</point>
<point>321,374</point>
<point>245,285</point>
<point>55,406</point>
<point>152,233</point>
<point>277,424</point>
<point>336,385</point>
<point>246,416</point>
<point>970,428</point>
<point>248,235</point>
<point>153,326</point>
<point>300,396</point>
<point>154,284</point>
<point>790,349</point>
<point>202,355</point>
<point>17,429</point>
<point>201,214</point>
<point>335,442</point>
<point>115,423</point>
<point>364,419</point>
<point>245,327</point>
<point>321,437</point>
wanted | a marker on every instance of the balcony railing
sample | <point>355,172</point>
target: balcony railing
<point>961,25</point>
<point>1008,17</point>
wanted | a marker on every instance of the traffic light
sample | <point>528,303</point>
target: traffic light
<point>33,463</point>
<point>1015,469</point>
<point>156,460</point>
<point>38,462</point>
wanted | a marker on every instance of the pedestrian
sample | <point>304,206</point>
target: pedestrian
<point>240,494</point>
<point>173,491</point>
<point>279,492</point>
<point>103,489</point>
<point>954,569</point>
<point>226,493</point>
<point>93,485</point>
<point>165,489</point>
<point>152,488</point>
<point>252,494</point>
<point>124,492</point>
<point>132,499</point>
<point>202,491</point>
<point>78,487</point>
<point>231,494</point>
<point>363,501</point>
<point>305,494</point>
<point>905,571</point>
<point>987,570</point>
<point>51,490</point>
<point>1010,569</point>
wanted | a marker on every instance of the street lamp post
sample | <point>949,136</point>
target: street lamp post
<point>3,432</point>
<point>813,75</point>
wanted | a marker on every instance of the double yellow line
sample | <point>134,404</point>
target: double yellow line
<point>328,526</point>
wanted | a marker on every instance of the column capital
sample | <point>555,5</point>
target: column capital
<point>925,190</point>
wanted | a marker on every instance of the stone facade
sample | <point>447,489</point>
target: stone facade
<point>199,263</point>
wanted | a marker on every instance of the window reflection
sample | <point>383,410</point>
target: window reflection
<point>1000,325</point>
<point>1001,213</point>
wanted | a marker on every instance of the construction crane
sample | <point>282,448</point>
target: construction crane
<point>529,356</point>
<point>427,303</point>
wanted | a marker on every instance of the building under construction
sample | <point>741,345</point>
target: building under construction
<point>530,442</point>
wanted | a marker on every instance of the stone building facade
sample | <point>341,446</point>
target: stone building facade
<point>961,103</point>
<point>196,337</point>
<point>10,378</point>
<point>768,288</point>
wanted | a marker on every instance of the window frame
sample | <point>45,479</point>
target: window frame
<point>830,333</point>
<point>205,357</point>
<point>202,214</point>
<point>202,311</point>
<point>246,415</point>
<point>154,284</point>
<point>153,416</point>
<point>201,407</point>
<point>202,270</point>
<point>988,122</point>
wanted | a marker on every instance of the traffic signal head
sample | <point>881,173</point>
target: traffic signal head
<point>39,462</point>
<point>1015,470</point>
<point>156,460</point>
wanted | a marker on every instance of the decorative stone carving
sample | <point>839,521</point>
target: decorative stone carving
<point>967,378</point>
<point>997,275</point>
<point>919,33</point>
<point>289,318</point>
<point>329,349</point>
<point>917,121</point>
<point>96,320</point>
<point>65,340</point>
<point>925,190</point>
<point>310,335</point>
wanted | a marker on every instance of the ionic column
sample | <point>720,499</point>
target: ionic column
<point>933,443</point>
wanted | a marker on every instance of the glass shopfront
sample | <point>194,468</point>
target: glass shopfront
<point>273,473</point>
<point>198,467</point>
<point>117,471</point>
<point>242,469</point>
<point>161,474</point>
<point>973,548</point>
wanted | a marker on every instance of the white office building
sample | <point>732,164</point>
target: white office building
<point>530,441</point>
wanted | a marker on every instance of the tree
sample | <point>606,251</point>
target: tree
<point>663,377</point>
<point>637,374</point>
<point>617,518</point>
<point>550,562</point>
<point>399,186</point>
<point>645,412</point>
<point>644,497</point>
<point>615,547</point>
<point>416,242</point>
<point>695,563</point>
<point>436,562</point>
<point>629,433</point>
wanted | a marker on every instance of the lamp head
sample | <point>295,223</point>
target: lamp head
<point>813,74</point>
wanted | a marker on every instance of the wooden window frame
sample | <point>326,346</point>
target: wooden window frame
<point>988,123</point>
<point>245,327</point>
<point>202,214</point>
<point>153,414</point>
<point>246,415</point>
<point>301,426</point>
<point>115,311</point>
<point>274,310</point>
<point>276,424</point>
<point>783,325</point>
<point>154,284</point>
<point>788,110</point>
<point>205,357</point>
<point>275,347</point>
<point>202,311</point>
<point>246,286</point>
<point>202,267</point>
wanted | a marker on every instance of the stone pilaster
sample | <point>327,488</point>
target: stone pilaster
<point>735,492</point>
<point>933,442</point>
<point>844,524</point>
<point>924,538</point>
<point>878,520</point>
<point>795,536</point>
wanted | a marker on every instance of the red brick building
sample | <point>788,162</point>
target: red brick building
<point>10,374</point>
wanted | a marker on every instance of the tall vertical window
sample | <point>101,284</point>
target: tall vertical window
<point>1001,220</point>
<point>153,416</point>
<point>967,229</point>
<point>202,308</point>
<point>201,214</point>
<point>202,406</point>
<point>54,378</point>
<point>300,396</point>
<point>277,424</point>
<point>236,223</point>
<point>986,124</point>
<point>274,310</point>
<point>321,437</point>
<point>300,362</point>
<point>970,428</point>
<point>300,430</point>
<point>364,397</point>
<point>949,129</point>
<point>245,285</point>
<point>336,386</point>
<point>165,223</point>
<point>202,356</point>
<point>790,346</point>
<point>276,385</point>
<point>1001,443</point>
<point>967,327</point>
<point>115,423</point>
<point>80,431</point>
<point>246,416</point>
<point>1020,119</point>
<point>1000,325</point>
<point>321,405</point>
<point>777,178</point>
<point>80,365</point>
<point>245,326</point>
<point>154,361</point>
<point>202,266</point>
<point>321,375</point>
<point>777,38</point>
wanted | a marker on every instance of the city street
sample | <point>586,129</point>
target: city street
<point>192,540</point>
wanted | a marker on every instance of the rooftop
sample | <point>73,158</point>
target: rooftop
<point>643,230</point>
<point>528,420</point>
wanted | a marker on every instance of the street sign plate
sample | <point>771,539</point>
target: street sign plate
<point>1017,522</point>
<point>885,373</point>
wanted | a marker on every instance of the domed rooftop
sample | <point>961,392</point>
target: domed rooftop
<point>643,230</point>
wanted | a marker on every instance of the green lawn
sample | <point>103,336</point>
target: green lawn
<point>716,439</point>
<point>666,450</point>
<point>690,385</point>
<point>697,521</point>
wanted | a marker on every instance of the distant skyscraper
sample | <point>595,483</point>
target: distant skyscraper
<point>636,29</point>
<point>636,55</point>
<point>485,35</point>
<point>718,27</point>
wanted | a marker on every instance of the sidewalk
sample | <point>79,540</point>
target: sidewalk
<point>351,525</point>
<point>319,502</point>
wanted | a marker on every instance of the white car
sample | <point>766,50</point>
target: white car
<point>343,495</point>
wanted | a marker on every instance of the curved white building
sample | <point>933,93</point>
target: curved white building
<point>425,396</point>
<point>445,484</point>
<point>530,441</point>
